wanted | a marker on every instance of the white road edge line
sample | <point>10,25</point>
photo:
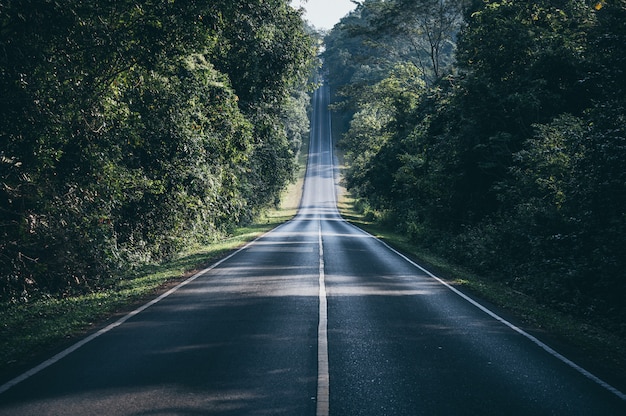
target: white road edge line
<point>515,328</point>
<point>323,380</point>
<point>495,316</point>
<point>6,386</point>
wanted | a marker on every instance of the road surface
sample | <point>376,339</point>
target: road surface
<point>314,318</point>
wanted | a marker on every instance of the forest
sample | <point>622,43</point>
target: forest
<point>493,133</point>
<point>130,129</point>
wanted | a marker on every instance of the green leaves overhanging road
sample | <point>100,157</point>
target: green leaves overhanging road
<point>131,128</point>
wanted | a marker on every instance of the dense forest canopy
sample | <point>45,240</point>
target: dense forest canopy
<point>131,128</point>
<point>494,133</point>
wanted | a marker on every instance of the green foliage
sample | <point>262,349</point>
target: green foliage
<point>422,32</point>
<point>130,130</point>
<point>371,148</point>
<point>190,143</point>
<point>510,162</point>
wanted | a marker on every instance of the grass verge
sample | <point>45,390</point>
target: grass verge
<point>587,343</point>
<point>32,332</point>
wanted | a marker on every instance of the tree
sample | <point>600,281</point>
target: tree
<point>424,32</point>
<point>511,162</point>
<point>130,129</point>
<point>521,64</point>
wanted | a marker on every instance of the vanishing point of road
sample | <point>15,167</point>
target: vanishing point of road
<point>313,318</point>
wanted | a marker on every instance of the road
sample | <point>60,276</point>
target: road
<point>314,318</point>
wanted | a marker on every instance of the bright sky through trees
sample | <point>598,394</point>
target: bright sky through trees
<point>324,14</point>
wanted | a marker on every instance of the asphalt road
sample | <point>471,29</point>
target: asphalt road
<point>314,318</point>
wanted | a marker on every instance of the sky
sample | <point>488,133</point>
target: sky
<point>324,14</point>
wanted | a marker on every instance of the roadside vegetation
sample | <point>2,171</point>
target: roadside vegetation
<point>492,134</point>
<point>588,342</point>
<point>45,325</point>
<point>138,142</point>
<point>130,131</point>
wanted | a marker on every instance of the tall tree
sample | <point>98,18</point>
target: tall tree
<point>424,31</point>
<point>129,128</point>
<point>514,156</point>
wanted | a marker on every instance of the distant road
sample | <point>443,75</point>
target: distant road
<point>314,318</point>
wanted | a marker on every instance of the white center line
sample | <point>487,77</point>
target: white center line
<point>322,339</point>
